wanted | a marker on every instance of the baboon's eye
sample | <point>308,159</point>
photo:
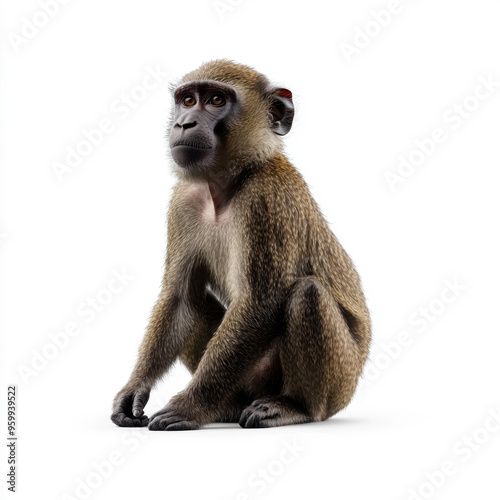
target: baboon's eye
<point>189,101</point>
<point>217,100</point>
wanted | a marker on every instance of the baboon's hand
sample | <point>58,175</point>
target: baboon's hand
<point>178,415</point>
<point>128,408</point>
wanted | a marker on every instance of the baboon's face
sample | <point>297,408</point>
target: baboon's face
<point>202,115</point>
<point>216,122</point>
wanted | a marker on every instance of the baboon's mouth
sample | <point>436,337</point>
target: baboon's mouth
<point>191,144</point>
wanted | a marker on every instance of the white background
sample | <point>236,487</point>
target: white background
<point>61,241</point>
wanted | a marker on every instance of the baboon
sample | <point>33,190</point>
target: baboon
<point>259,300</point>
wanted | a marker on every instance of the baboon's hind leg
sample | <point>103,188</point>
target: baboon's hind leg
<point>320,361</point>
<point>206,318</point>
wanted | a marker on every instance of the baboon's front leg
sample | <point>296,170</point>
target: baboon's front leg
<point>244,334</point>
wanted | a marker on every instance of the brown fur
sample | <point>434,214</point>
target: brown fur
<point>259,299</point>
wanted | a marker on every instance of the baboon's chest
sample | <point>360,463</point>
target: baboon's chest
<point>210,233</point>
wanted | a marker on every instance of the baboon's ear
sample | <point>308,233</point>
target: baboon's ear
<point>281,111</point>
